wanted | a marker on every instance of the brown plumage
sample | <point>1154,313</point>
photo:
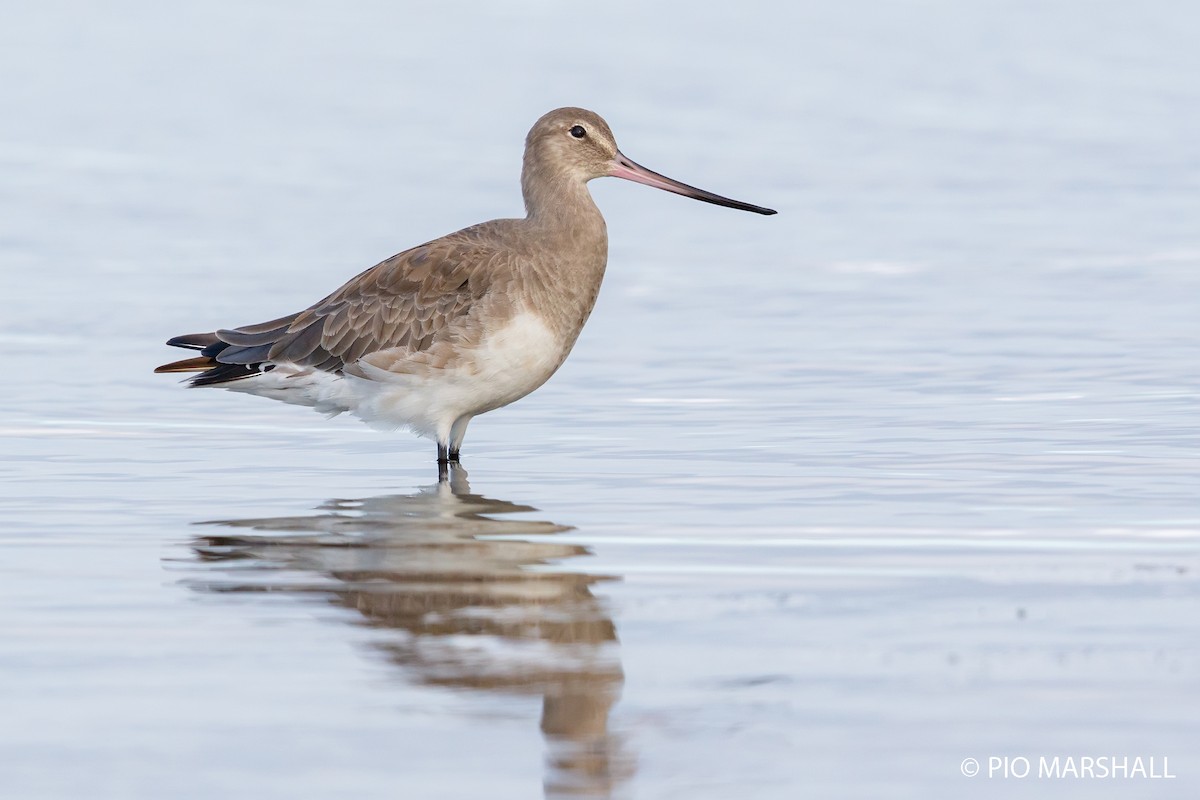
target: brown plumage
<point>458,326</point>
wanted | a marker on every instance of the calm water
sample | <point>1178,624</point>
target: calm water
<point>822,505</point>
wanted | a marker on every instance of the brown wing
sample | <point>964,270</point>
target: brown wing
<point>406,302</point>
<point>410,301</point>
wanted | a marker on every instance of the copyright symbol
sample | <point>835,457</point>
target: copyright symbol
<point>969,767</point>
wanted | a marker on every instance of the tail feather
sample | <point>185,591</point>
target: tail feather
<point>198,364</point>
<point>228,355</point>
<point>212,370</point>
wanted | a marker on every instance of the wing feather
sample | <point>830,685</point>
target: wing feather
<point>408,301</point>
<point>405,305</point>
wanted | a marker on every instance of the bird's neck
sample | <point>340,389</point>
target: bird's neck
<point>564,220</point>
<point>568,229</point>
<point>560,204</point>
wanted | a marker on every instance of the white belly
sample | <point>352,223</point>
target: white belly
<point>507,365</point>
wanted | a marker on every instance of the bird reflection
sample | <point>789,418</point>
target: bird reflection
<point>476,612</point>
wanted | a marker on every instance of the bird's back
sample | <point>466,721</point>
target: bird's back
<point>427,309</point>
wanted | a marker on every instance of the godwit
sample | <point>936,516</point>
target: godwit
<point>467,323</point>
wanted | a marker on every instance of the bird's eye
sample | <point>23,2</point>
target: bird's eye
<point>578,132</point>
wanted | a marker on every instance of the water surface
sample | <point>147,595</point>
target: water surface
<point>822,504</point>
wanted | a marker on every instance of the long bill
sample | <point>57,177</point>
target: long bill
<point>630,170</point>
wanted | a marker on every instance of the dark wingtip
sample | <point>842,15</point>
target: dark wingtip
<point>193,341</point>
<point>766,211</point>
<point>224,373</point>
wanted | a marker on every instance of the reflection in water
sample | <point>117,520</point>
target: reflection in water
<point>476,613</point>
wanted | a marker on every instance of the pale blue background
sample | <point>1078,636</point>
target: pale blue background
<point>904,475</point>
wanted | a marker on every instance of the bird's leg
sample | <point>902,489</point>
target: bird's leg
<point>443,462</point>
<point>457,431</point>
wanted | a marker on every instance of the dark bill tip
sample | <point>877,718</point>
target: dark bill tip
<point>630,170</point>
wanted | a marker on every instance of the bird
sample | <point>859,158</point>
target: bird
<point>436,335</point>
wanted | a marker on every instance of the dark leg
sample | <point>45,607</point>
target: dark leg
<point>444,456</point>
<point>454,456</point>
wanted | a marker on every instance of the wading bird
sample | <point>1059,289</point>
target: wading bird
<point>470,322</point>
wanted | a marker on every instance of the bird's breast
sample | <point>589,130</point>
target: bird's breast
<point>516,357</point>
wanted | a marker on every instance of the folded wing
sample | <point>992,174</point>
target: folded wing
<point>408,302</point>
